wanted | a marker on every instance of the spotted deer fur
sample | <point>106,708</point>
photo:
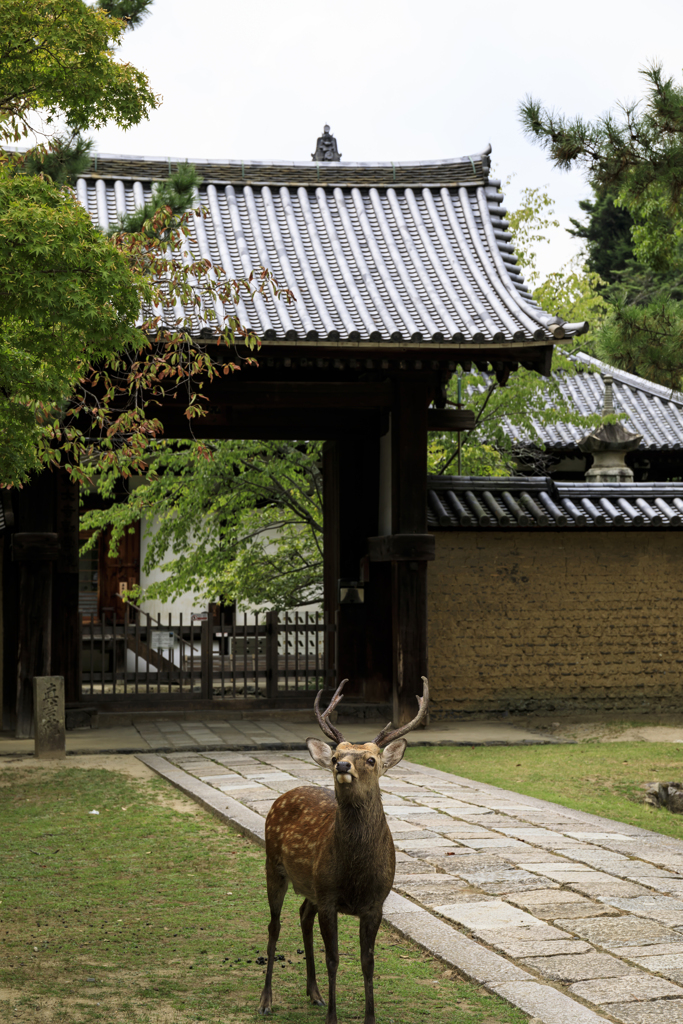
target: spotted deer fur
<point>336,850</point>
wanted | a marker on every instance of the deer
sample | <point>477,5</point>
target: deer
<point>336,850</point>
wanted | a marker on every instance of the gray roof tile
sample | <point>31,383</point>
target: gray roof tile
<point>518,502</point>
<point>653,411</point>
<point>394,253</point>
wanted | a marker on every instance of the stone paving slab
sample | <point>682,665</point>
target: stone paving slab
<point>655,906</point>
<point>652,949</point>
<point>669,965</point>
<point>633,988</point>
<point>545,1003</point>
<point>528,898</point>
<point>579,966</point>
<point>613,933</point>
<point>663,1011</point>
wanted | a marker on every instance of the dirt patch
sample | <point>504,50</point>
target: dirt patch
<point>126,763</point>
<point>607,728</point>
<point>179,803</point>
<point>45,1011</point>
<point>651,734</point>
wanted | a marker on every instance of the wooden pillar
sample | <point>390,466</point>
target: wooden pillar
<point>409,578</point>
<point>353,515</point>
<point>330,551</point>
<point>36,554</point>
<point>351,507</point>
<point>66,634</point>
<point>9,623</point>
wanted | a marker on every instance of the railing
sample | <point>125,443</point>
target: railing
<point>275,655</point>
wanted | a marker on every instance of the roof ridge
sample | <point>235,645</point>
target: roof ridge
<point>238,162</point>
<point>624,377</point>
<point>543,482</point>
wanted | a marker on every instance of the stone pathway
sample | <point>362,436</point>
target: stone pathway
<point>268,733</point>
<point>574,919</point>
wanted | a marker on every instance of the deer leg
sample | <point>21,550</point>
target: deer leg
<point>328,930</point>
<point>369,924</point>
<point>277,887</point>
<point>307,916</point>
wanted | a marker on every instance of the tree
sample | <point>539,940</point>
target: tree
<point>57,60</point>
<point>132,12</point>
<point>76,377</point>
<point>230,521</point>
<point>509,417</point>
<point>573,292</point>
<point>607,234</point>
<point>64,157</point>
<point>508,421</point>
<point>637,158</point>
<point>69,297</point>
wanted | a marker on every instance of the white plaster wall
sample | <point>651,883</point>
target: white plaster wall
<point>185,605</point>
<point>188,603</point>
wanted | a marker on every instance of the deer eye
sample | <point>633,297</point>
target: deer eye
<point>334,759</point>
<point>371,761</point>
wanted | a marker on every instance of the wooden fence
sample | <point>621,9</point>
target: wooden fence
<point>274,655</point>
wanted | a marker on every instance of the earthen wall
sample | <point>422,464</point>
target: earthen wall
<point>555,622</point>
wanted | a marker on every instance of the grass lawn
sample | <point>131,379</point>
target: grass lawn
<point>153,911</point>
<point>601,778</point>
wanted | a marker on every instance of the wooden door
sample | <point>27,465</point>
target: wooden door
<point>116,575</point>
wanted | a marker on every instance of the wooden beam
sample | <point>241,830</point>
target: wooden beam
<point>450,419</point>
<point>397,547</point>
<point>273,425</point>
<point>297,394</point>
<point>321,354</point>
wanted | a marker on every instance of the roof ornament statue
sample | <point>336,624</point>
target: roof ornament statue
<point>326,148</point>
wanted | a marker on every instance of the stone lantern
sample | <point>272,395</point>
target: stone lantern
<point>608,446</point>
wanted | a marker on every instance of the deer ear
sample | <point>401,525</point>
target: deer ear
<point>393,753</point>
<point>320,752</point>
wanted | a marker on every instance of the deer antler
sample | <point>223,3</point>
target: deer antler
<point>386,735</point>
<point>326,726</point>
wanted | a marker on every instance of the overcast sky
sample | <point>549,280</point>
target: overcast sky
<point>395,80</point>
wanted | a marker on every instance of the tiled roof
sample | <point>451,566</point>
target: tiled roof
<point>653,411</point>
<point>381,253</point>
<point>468,502</point>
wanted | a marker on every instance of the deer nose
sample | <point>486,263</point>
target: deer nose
<point>343,767</point>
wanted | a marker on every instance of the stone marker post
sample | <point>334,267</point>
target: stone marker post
<point>48,710</point>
